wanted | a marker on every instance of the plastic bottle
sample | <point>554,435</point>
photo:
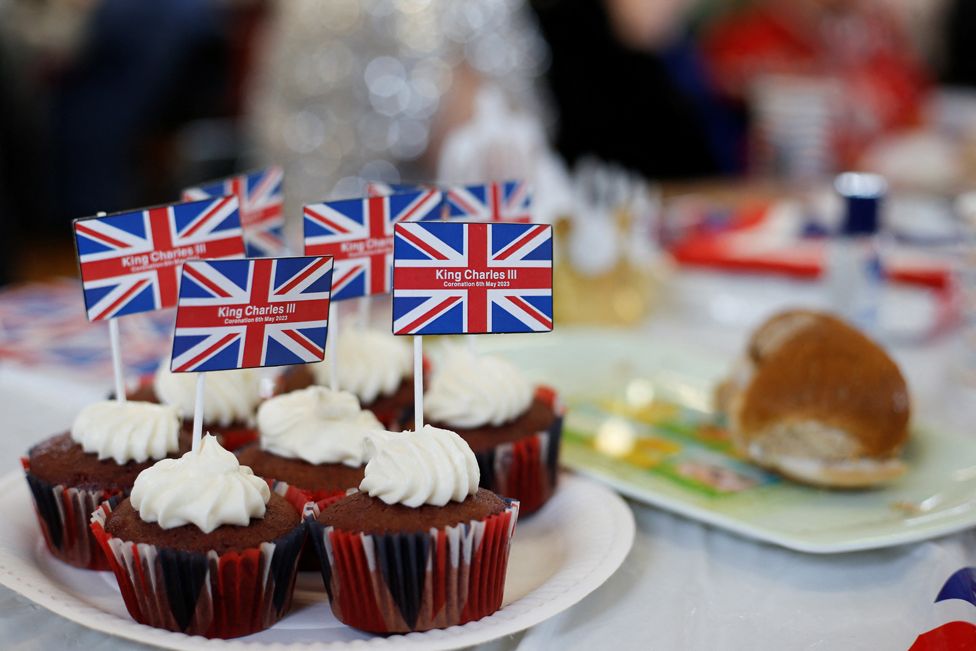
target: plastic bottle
<point>854,273</point>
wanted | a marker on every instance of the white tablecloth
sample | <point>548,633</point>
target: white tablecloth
<point>684,585</point>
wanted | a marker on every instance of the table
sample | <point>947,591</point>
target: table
<point>684,585</point>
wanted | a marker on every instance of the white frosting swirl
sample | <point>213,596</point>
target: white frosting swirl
<point>127,431</point>
<point>432,466</point>
<point>229,396</point>
<point>318,425</point>
<point>471,391</point>
<point>372,364</point>
<point>206,487</point>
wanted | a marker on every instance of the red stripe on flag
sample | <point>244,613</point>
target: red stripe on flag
<point>205,217</point>
<point>303,342</point>
<point>349,274</point>
<point>431,314</point>
<point>84,230</point>
<point>514,246</point>
<point>420,244</point>
<point>220,344</point>
<point>458,199</point>
<point>262,271</point>
<point>325,221</point>
<point>530,310</point>
<point>421,200</point>
<point>494,191</point>
<point>121,299</point>
<point>206,282</point>
<point>315,266</point>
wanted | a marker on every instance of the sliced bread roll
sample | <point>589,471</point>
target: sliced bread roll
<point>817,401</point>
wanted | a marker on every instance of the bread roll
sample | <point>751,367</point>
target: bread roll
<point>817,401</point>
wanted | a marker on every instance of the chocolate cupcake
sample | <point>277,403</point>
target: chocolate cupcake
<point>376,367</point>
<point>420,546</point>
<point>70,474</point>
<point>513,428</point>
<point>203,546</point>
<point>231,398</point>
<point>313,439</point>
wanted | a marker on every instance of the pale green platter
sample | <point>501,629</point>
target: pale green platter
<point>639,420</point>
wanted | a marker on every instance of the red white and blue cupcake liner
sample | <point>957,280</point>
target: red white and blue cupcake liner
<point>403,582</point>
<point>214,595</point>
<point>526,468</point>
<point>63,513</point>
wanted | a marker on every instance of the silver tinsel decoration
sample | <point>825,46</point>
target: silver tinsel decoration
<point>348,90</point>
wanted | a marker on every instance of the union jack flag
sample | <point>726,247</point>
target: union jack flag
<point>249,313</point>
<point>358,233</point>
<point>472,278</point>
<point>502,201</point>
<point>262,207</point>
<point>130,262</point>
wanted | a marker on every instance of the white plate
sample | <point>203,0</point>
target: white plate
<point>591,368</point>
<point>559,555</point>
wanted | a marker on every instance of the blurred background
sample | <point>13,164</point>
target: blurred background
<point>664,118</point>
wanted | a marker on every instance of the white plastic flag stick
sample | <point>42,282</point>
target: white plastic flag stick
<point>418,383</point>
<point>364,312</point>
<point>198,411</point>
<point>469,341</point>
<point>115,342</point>
<point>333,337</point>
<point>113,335</point>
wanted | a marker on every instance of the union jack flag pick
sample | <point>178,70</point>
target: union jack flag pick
<point>358,233</point>
<point>130,261</point>
<point>262,207</point>
<point>501,201</point>
<point>248,313</point>
<point>472,278</point>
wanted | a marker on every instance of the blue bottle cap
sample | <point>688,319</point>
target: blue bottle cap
<point>862,195</point>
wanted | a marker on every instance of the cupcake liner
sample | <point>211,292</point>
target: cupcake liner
<point>63,513</point>
<point>233,438</point>
<point>527,468</point>
<point>214,595</point>
<point>403,582</point>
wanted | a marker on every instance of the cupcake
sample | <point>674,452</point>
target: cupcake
<point>513,428</point>
<point>420,546</point>
<point>203,546</point>
<point>313,439</point>
<point>376,367</point>
<point>231,398</point>
<point>70,474</point>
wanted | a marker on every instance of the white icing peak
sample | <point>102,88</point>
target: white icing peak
<point>470,391</point>
<point>371,363</point>
<point>432,466</point>
<point>127,431</point>
<point>317,425</point>
<point>206,487</point>
<point>229,396</point>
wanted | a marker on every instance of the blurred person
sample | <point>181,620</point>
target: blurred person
<point>630,87</point>
<point>145,68</point>
<point>105,85</point>
<point>959,68</point>
<point>855,43</point>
